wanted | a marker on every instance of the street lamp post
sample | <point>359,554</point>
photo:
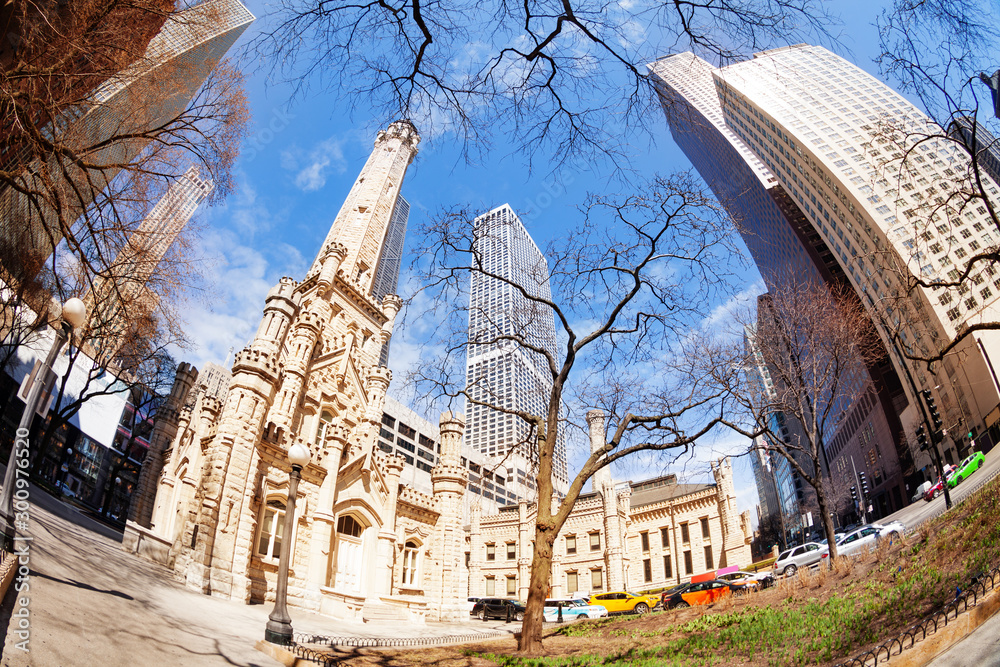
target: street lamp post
<point>73,314</point>
<point>279,624</point>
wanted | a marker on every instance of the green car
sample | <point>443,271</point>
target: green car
<point>970,465</point>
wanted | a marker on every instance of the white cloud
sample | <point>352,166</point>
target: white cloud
<point>725,316</point>
<point>313,167</point>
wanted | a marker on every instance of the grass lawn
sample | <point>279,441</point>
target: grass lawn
<point>818,617</point>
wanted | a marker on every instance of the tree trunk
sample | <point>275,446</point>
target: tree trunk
<point>545,537</point>
<point>538,588</point>
<point>821,502</point>
<point>825,514</point>
<point>43,439</point>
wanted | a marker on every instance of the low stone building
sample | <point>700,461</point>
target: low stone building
<point>628,536</point>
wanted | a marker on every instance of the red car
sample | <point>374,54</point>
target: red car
<point>936,490</point>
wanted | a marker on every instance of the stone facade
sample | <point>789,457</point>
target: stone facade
<point>362,546</point>
<point>631,536</point>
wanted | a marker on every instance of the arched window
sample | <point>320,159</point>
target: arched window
<point>348,525</point>
<point>271,526</point>
<point>325,421</point>
<point>411,555</point>
<point>349,553</point>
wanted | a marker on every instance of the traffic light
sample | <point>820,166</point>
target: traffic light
<point>922,438</point>
<point>854,494</point>
<point>932,409</point>
<point>864,485</point>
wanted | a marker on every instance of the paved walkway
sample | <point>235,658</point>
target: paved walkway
<point>980,649</point>
<point>93,604</point>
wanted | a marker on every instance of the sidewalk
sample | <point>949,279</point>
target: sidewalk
<point>92,603</point>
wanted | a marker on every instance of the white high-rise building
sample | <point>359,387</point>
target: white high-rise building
<point>887,192</point>
<point>498,371</point>
<point>121,296</point>
<point>158,231</point>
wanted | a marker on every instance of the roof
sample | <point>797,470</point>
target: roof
<point>658,494</point>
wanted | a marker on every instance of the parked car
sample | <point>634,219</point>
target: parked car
<point>497,608</point>
<point>938,488</point>
<point>894,529</point>
<point>754,580</point>
<point>623,601</point>
<point>790,560</point>
<point>969,465</point>
<point>64,489</point>
<point>572,609</point>
<point>703,592</point>
<point>472,603</point>
<point>860,540</point>
<point>921,490</point>
<point>666,595</point>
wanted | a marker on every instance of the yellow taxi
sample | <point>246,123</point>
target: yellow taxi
<point>623,601</point>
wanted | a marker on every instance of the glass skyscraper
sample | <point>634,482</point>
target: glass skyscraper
<point>498,371</point>
<point>784,246</point>
<point>387,270</point>
<point>888,197</point>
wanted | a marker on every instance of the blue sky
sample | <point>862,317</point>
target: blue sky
<point>303,155</point>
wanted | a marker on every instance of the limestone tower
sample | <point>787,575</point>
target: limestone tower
<point>311,375</point>
<point>735,538</point>
<point>164,429</point>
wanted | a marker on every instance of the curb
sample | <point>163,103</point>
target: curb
<point>952,634</point>
<point>8,567</point>
<point>279,653</point>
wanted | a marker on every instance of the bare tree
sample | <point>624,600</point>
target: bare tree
<point>936,52</point>
<point>804,362</point>
<point>97,119</point>
<point>631,285</point>
<point>145,400</point>
<point>565,75</point>
<point>139,363</point>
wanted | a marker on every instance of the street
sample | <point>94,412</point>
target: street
<point>916,513</point>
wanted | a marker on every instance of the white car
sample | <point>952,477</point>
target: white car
<point>790,560</point>
<point>894,529</point>
<point>741,578</point>
<point>858,541</point>
<point>572,609</point>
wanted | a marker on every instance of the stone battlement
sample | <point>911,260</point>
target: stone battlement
<point>257,361</point>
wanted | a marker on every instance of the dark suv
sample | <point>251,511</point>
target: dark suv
<point>497,608</point>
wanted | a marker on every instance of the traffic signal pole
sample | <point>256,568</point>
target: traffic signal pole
<point>859,504</point>
<point>936,438</point>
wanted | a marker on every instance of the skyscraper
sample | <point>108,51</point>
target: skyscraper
<point>146,95</point>
<point>124,286</point>
<point>498,371</point>
<point>387,272</point>
<point>887,194</point>
<point>785,248</point>
<point>783,494</point>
